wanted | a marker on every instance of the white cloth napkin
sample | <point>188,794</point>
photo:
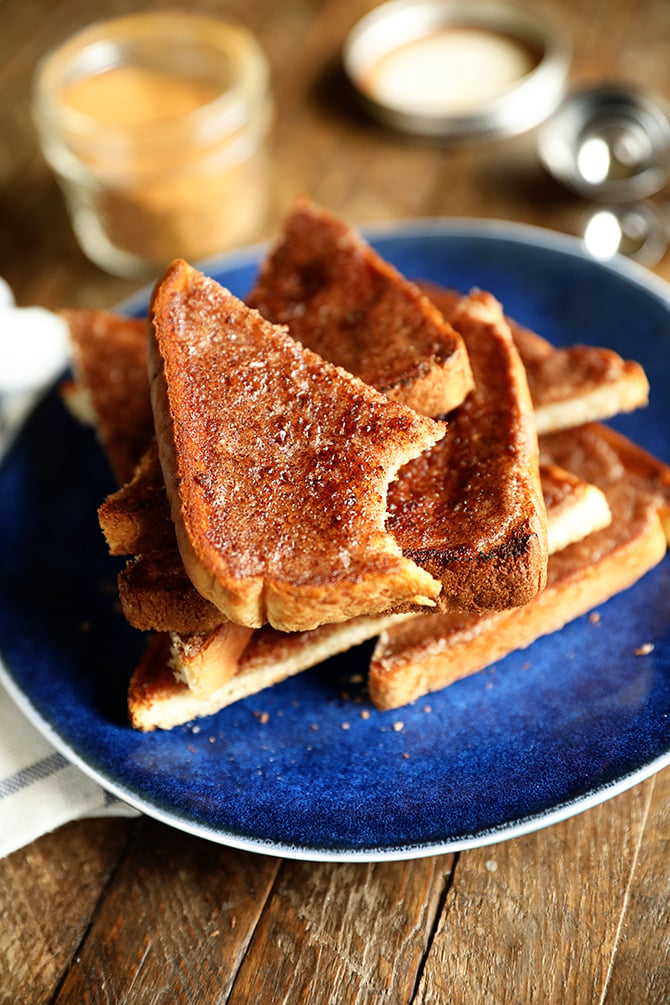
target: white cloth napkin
<point>39,789</point>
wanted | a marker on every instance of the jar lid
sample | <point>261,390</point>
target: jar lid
<point>456,70</point>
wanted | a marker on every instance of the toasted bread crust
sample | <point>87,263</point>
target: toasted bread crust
<point>136,518</point>
<point>568,386</point>
<point>206,662</point>
<point>109,361</point>
<point>580,384</point>
<point>575,508</point>
<point>470,510</point>
<point>157,595</point>
<point>276,464</point>
<point>342,300</point>
<point>625,459</point>
<point>271,656</point>
<point>427,654</point>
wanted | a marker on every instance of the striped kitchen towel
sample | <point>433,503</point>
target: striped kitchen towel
<point>39,788</point>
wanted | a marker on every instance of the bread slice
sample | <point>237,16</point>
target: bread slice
<point>568,386</point>
<point>140,576</point>
<point>339,298</point>
<point>157,595</point>
<point>575,508</point>
<point>608,450</point>
<point>158,700</point>
<point>161,695</point>
<point>204,663</point>
<point>579,384</point>
<point>427,654</point>
<point>111,385</point>
<point>136,519</point>
<point>276,464</point>
<point>470,511</point>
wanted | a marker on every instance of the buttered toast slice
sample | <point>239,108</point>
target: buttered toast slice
<point>343,301</point>
<point>470,510</point>
<point>110,389</point>
<point>578,384</point>
<point>568,386</point>
<point>162,693</point>
<point>276,464</point>
<point>427,654</point>
<point>157,699</point>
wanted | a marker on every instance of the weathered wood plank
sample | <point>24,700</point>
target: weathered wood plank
<point>174,925</point>
<point>569,914</point>
<point>338,932</point>
<point>535,919</point>
<point>642,952</point>
<point>48,894</point>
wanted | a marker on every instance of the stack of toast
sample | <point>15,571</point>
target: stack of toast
<point>348,456</point>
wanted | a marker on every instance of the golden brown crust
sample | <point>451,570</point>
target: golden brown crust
<point>568,386</point>
<point>339,298</point>
<point>271,656</point>
<point>603,385</point>
<point>606,448</point>
<point>205,662</point>
<point>157,595</point>
<point>109,362</point>
<point>427,654</point>
<point>136,518</point>
<point>575,508</point>
<point>276,464</point>
<point>470,510</point>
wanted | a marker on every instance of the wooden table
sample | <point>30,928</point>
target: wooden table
<point>133,911</point>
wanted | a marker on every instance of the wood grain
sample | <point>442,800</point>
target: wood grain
<point>538,915</point>
<point>118,911</point>
<point>48,894</point>
<point>174,924</point>
<point>642,950</point>
<point>343,933</point>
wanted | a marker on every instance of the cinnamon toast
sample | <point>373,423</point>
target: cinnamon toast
<point>158,700</point>
<point>276,464</point>
<point>490,553</point>
<point>427,654</point>
<point>568,386</point>
<point>111,386</point>
<point>161,696</point>
<point>339,298</point>
<point>470,510</point>
<point>469,455</point>
<point>579,384</point>
<point>144,574</point>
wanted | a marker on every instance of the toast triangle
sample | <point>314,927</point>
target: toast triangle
<point>276,464</point>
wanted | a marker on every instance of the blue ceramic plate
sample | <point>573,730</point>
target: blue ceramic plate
<point>309,769</point>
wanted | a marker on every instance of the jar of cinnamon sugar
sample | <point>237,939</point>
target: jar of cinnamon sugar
<point>155,127</point>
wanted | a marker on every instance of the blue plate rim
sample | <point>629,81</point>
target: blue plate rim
<point>494,835</point>
<point>404,229</point>
<point>415,227</point>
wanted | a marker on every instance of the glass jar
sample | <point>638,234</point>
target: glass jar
<point>155,126</point>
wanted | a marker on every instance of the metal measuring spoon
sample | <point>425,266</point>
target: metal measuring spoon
<point>609,143</point>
